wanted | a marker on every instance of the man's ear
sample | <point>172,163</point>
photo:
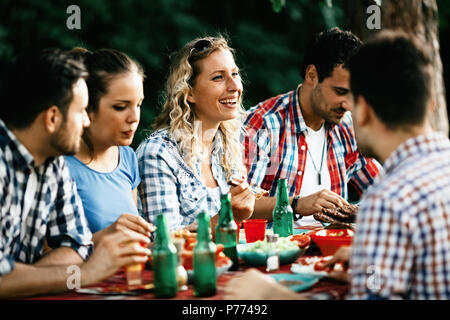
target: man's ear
<point>53,118</point>
<point>311,75</point>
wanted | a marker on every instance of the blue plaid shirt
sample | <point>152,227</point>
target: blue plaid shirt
<point>401,247</point>
<point>171,187</point>
<point>51,209</point>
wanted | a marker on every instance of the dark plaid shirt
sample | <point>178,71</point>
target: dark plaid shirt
<point>36,203</point>
<point>401,247</point>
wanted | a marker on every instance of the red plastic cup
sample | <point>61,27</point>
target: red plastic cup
<point>255,229</point>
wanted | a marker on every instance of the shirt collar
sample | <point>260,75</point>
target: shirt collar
<point>422,144</point>
<point>299,121</point>
<point>21,156</point>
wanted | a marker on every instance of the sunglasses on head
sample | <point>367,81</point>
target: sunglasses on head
<point>200,46</point>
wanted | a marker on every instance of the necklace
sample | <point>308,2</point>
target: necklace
<point>319,172</point>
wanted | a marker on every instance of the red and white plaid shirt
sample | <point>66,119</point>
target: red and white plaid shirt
<point>276,148</point>
<point>401,247</point>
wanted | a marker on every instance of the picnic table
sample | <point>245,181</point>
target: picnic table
<point>325,288</point>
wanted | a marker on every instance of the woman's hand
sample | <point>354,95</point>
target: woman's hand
<point>242,201</point>
<point>126,221</point>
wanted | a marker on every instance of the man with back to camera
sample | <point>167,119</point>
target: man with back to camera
<point>401,248</point>
<point>44,96</point>
<point>306,135</point>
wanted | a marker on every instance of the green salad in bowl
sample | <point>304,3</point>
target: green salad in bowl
<point>255,253</point>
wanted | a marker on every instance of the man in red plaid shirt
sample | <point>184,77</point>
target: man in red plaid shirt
<point>306,135</point>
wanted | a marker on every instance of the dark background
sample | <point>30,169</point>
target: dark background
<point>269,45</point>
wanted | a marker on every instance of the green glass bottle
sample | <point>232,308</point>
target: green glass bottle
<point>226,230</point>
<point>204,259</point>
<point>283,217</point>
<point>164,261</point>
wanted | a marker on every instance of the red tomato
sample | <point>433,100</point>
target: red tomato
<point>303,240</point>
<point>187,257</point>
<point>189,244</point>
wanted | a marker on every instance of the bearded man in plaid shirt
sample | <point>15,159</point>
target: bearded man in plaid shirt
<point>44,98</point>
<point>306,135</point>
<point>401,247</point>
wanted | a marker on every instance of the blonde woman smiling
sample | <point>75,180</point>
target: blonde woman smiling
<point>187,162</point>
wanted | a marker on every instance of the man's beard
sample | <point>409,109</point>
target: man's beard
<point>319,107</point>
<point>60,141</point>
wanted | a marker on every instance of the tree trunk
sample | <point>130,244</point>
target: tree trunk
<point>415,17</point>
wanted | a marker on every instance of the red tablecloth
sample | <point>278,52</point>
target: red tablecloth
<point>324,289</point>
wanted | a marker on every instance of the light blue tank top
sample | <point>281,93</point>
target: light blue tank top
<point>106,196</point>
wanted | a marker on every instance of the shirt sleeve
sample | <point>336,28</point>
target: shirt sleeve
<point>6,225</point>
<point>6,261</point>
<point>363,171</point>
<point>67,225</point>
<point>382,256</point>
<point>134,168</point>
<point>158,189</point>
<point>257,152</point>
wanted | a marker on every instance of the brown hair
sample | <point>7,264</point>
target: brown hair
<point>103,65</point>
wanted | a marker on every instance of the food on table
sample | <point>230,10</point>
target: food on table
<point>283,244</point>
<point>303,240</point>
<point>187,254</point>
<point>344,215</point>
<point>339,226</point>
<point>182,233</point>
<point>315,265</point>
<point>335,233</point>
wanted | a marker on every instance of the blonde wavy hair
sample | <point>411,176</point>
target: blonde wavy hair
<point>178,114</point>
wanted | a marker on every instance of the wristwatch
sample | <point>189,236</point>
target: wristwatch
<point>297,216</point>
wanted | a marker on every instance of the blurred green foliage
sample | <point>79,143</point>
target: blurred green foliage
<point>269,45</point>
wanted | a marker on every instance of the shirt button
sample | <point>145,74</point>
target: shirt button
<point>303,147</point>
<point>300,173</point>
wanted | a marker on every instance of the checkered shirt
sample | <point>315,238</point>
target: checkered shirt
<point>401,247</point>
<point>171,187</point>
<point>55,211</point>
<point>276,148</point>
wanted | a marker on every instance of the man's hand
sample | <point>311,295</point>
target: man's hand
<point>113,252</point>
<point>317,201</point>
<point>341,255</point>
<point>254,285</point>
<point>242,201</point>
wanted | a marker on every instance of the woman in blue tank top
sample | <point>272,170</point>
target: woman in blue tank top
<point>105,169</point>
